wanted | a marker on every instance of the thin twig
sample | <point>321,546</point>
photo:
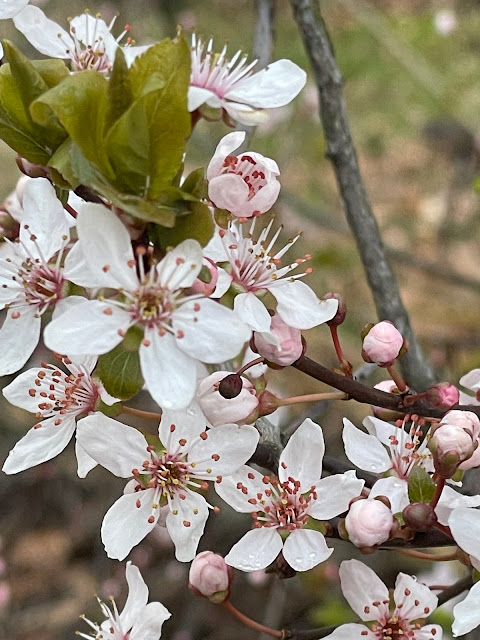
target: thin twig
<point>456,589</point>
<point>361,220</point>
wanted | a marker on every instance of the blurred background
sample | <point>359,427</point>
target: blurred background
<point>413,96</point>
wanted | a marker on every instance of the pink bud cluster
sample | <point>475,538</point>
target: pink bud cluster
<point>454,441</point>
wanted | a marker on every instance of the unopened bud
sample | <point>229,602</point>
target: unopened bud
<point>231,386</point>
<point>207,279</point>
<point>219,409</point>
<point>419,516</point>
<point>287,342</point>
<point>341,314</point>
<point>210,576</point>
<point>382,344</point>
<point>443,395</point>
<point>368,523</point>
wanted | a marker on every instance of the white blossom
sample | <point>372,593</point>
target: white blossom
<point>167,477</point>
<point>287,504</point>
<point>137,621</point>
<point>179,329</point>
<point>370,599</point>
<point>89,43</point>
<point>233,86</point>
<point>60,401</point>
<point>253,271</point>
<point>31,274</point>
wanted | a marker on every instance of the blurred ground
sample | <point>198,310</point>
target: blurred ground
<point>411,83</point>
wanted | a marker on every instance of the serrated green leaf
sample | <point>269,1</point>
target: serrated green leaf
<point>80,102</point>
<point>120,95</point>
<point>197,224</point>
<point>120,373</point>
<point>421,487</point>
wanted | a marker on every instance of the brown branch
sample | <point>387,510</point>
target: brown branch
<point>456,589</point>
<point>368,395</point>
<point>341,152</point>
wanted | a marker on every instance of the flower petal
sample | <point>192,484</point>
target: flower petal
<point>413,599</point>
<point>395,489</point>
<point>450,500</point>
<point>464,524</point>
<point>149,623</point>
<point>125,524</point>
<point>252,312</point>
<point>17,391</point>
<point>256,550</point>
<point>299,306</point>
<point>137,596</point>
<point>275,86</point>
<point>302,457</point>
<point>242,113</point>
<point>217,334</point>
<point>305,548</point>
<point>362,587</point>
<point>91,30</point>
<point>40,445</point>
<point>334,494</point>
<point>18,337</point>
<point>224,148</point>
<point>91,327</point>
<point>180,267</point>
<point>229,191</point>
<point>45,35</point>
<point>429,631</point>
<point>252,483</point>
<point>181,424</point>
<point>198,96</point>
<point>186,522</point>
<point>363,450</point>
<point>85,463</point>
<point>44,216</point>
<point>11,8</point>
<point>170,374</point>
<point>107,244</point>
<point>352,631</point>
<point>466,613</point>
<point>116,446</point>
<point>224,450</point>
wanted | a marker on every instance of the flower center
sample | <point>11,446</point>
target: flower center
<point>249,170</point>
<point>60,394</point>
<point>152,305</point>
<point>407,449</point>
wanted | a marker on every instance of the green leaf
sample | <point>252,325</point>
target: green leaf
<point>21,141</point>
<point>61,162</point>
<point>421,487</point>
<point>196,184</point>
<point>197,224</point>
<point>29,82</point>
<point>80,102</point>
<point>120,372</point>
<point>52,71</point>
<point>120,95</point>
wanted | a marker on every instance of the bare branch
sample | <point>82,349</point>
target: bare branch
<point>363,224</point>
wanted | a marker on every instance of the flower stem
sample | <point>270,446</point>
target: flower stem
<point>250,364</point>
<point>344,364</point>
<point>139,413</point>
<point>397,378</point>
<point>251,623</point>
<point>313,397</point>
<point>438,492</point>
<point>432,557</point>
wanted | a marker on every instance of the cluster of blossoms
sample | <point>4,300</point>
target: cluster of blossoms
<point>182,313</point>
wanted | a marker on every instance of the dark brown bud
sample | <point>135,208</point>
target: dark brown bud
<point>419,516</point>
<point>231,386</point>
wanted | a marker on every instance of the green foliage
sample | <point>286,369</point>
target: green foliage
<point>421,487</point>
<point>21,83</point>
<point>119,371</point>
<point>127,134</point>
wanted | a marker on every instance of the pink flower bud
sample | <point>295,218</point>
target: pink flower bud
<point>219,410</point>
<point>454,441</point>
<point>443,395</point>
<point>289,346</point>
<point>368,523</point>
<point>210,576</point>
<point>382,344</point>
<point>246,185</point>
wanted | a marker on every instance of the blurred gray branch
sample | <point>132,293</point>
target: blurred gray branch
<point>361,219</point>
